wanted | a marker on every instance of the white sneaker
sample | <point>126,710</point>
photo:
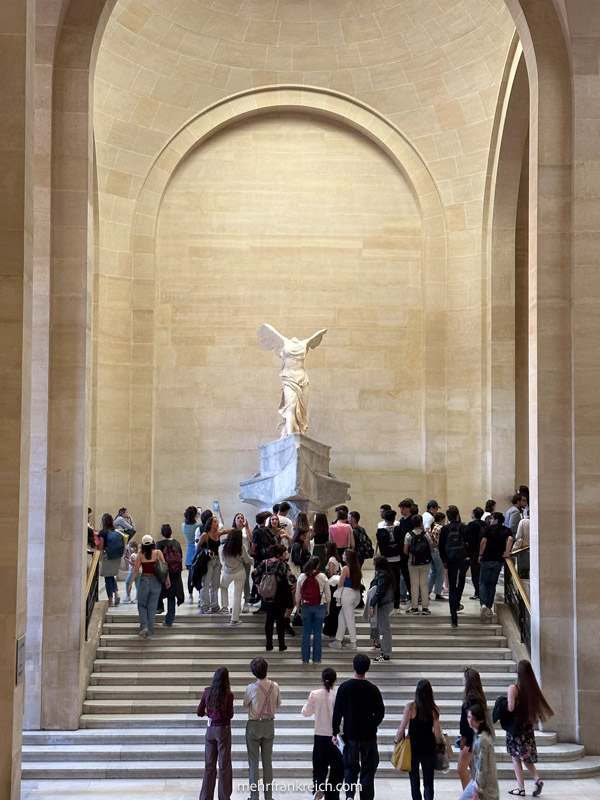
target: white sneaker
<point>143,633</point>
<point>336,644</point>
<point>349,646</point>
<point>246,608</point>
<point>483,613</point>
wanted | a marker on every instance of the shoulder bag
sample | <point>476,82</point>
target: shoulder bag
<point>402,756</point>
<point>161,570</point>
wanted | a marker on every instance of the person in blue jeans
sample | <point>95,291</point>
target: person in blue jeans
<point>173,555</point>
<point>494,546</point>
<point>150,586</point>
<point>313,597</point>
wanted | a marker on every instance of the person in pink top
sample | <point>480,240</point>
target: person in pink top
<point>341,532</point>
<point>326,756</point>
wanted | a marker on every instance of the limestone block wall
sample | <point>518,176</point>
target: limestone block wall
<point>434,73</point>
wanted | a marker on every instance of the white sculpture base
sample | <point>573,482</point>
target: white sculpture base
<point>295,469</point>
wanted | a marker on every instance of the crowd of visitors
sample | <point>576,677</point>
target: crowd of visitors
<point>348,761</point>
<point>417,558</point>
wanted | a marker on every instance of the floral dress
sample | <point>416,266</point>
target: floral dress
<point>521,744</point>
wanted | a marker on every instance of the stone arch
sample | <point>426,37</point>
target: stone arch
<point>388,138</point>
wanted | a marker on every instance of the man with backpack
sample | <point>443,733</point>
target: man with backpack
<point>418,547</point>
<point>173,555</point>
<point>362,542</point>
<point>313,596</point>
<point>455,557</point>
<point>389,543</point>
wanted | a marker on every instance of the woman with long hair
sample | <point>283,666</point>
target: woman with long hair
<point>320,538</point>
<point>473,695</point>
<point>150,586</point>
<point>240,523</point>
<point>234,560</point>
<point>276,564</point>
<point>529,705</point>
<point>326,757</point>
<point>381,604</point>
<point>313,596</point>
<point>209,593</point>
<point>484,785</point>
<point>332,571</point>
<point>422,718</point>
<point>112,544</point>
<point>348,594</point>
<point>299,553</point>
<point>189,526</point>
<point>217,705</point>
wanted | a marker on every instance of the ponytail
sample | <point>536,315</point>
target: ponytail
<point>328,676</point>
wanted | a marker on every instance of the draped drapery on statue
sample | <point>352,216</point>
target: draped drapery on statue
<point>294,380</point>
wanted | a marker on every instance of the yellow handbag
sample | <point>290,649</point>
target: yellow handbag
<point>402,755</point>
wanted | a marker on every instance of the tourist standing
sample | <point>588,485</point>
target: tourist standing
<point>209,594</point>
<point>475,529</point>
<point>389,545</point>
<point>333,569</point>
<point>422,718</point>
<point>262,699</point>
<point>313,597</point>
<point>217,705</point>
<point>240,523</point>
<point>437,573</point>
<point>359,705</point>
<point>234,559</point>
<point>150,586</point>
<point>453,550</point>
<point>173,556</point>
<point>348,595</point>
<point>341,532</point>
<point>529,705</point>
<point>380,607</point>
<point>326,756</point>
<point>418,547</point>
<point>112,544</point>
<point>484,785</point>
<point>276,606</point>
<point>189,526</point>
<point>494,546</point>
<point>320,538</point>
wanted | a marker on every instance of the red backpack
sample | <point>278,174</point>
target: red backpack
<point>310,591</point>
<point>172,555</point>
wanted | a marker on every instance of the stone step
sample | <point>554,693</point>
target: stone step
<point>148,769</point>
<point>300,753</point>
<point>151,649</point>
<point>444,694</point>
<point>439,625</point>
<point>280,665</point>
<point>155,736</point>
<point>307,678</point>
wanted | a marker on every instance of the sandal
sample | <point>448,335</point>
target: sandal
<point>518,792</point>
<point>539,785</point>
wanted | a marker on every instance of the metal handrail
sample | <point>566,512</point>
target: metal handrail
<point>518,582</point>
<point>91,571</point>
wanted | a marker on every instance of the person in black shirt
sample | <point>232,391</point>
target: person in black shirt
<point>360,704</point>
<point>495,546</point>
<point>474,529</point>
<point>453,550</point>
<point>406,525</point>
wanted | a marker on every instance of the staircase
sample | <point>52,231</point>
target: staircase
<point>139,718</point>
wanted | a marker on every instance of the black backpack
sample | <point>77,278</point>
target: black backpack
<point>363,545</point>
<point>456,546</point>
<point>388,542</point>
<point>419,551</point>
<point>502,715</point>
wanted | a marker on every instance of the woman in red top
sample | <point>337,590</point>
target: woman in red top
<point>341,533</point>
<point>217,705</point>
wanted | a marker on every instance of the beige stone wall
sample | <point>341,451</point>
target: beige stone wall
<point>435,74</point>
<point>301,222</point>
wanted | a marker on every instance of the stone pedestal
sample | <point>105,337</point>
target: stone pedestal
<point>295,469</point>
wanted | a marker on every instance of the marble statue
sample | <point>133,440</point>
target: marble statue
<point>294,380</point>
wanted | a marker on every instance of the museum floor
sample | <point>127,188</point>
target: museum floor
<point>583,789</point>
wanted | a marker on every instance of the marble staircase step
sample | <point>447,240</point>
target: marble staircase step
<point>283,770</point>
<point>297,752</point>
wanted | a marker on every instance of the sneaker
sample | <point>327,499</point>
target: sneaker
<point>440,597</point>
<point>190,599</point>
<point>269,647</point>
<point>482,613</point>
<point>380,658</point>
<point>318,795</point>
<point>349,646</point>
<point>461,607</point>
<point>377,646</point>
<point>454,623</point>
<point>412,611</point>
<point>117,599</point>
<point>204,611</point>
<point>317,662</point>
<point>336,644</point>
<point>426,612</point>
<point>246,608</point>
<point>167,624</point>
<point>235,622</point>
<point>215,610</point>
<point>474,597</point>
<point>143,633</point>
<point>283,648</point>
<point>224,610</point>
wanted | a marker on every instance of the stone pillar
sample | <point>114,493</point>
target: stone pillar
<point>16,68</point>
<point>584,28</point>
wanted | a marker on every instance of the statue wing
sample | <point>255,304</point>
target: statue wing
<point>316,339</point>
<point>270,339</point>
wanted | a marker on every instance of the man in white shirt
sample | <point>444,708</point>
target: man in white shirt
<point>284,521</point>
<point>432,509</point>
<point>382,509</point>
<point>262,699</point>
